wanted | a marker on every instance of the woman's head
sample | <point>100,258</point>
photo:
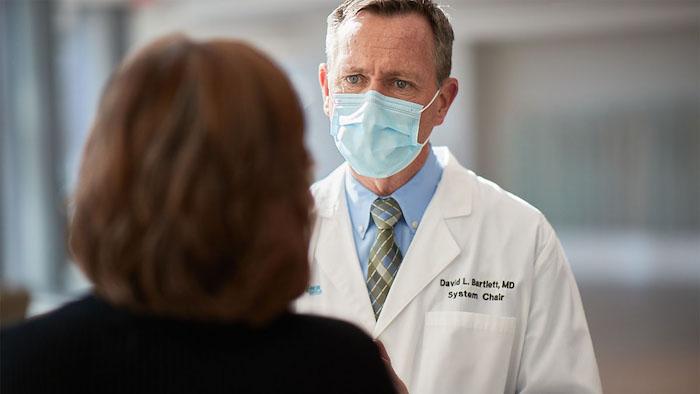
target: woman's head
<point>193,193</point>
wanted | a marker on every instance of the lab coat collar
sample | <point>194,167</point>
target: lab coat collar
<point>457,185</point>
<point>328,198</point>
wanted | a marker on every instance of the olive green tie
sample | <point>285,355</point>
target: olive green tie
<point>384,256</point>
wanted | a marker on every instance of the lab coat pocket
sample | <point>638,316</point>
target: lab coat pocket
<point>464,352</point>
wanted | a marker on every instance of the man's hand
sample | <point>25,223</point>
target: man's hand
<point>398,384</point>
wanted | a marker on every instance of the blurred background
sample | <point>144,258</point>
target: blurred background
<point>590,110</point>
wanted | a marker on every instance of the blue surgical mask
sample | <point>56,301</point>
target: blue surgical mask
<point>376,134</point>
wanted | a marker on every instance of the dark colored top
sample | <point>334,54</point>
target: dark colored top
<point>91,346</point>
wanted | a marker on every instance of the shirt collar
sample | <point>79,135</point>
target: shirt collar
<point>413,197</point>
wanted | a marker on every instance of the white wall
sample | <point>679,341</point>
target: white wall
<point>620,172</point>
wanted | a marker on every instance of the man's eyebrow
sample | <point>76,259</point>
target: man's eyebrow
<point>405,74</point>
<point>352,70</point>
<point>401,73</point>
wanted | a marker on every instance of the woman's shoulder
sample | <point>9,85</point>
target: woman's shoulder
<point>49,348</point>
<point>60,324</point>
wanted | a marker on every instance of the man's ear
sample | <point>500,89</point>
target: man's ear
<point>448,92</point>
<point>323,81</point>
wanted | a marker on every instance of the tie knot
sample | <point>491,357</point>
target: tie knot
<point>385,213</point>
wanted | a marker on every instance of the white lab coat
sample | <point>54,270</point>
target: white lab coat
<point>483,302</point>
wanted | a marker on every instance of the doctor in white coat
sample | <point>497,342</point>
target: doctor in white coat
<point>465,284</point>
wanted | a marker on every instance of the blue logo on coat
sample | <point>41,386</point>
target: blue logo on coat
<point>314,290</point>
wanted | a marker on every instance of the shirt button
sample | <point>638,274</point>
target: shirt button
<point>414,224</point>
<point>361,228</point>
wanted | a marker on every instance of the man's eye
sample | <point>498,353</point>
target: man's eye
<point>401,84</point>
<point>353,79</point>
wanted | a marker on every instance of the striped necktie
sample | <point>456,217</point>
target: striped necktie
<point>384,256</point>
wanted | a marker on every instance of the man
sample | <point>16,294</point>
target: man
<point>465,285</point>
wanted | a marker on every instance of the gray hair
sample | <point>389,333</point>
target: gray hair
<point>443,35</point>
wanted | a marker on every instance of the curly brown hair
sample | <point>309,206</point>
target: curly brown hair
<point>193,198</point>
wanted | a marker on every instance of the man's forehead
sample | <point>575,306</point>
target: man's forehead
<point>403,39</point>
<point>408,30</point>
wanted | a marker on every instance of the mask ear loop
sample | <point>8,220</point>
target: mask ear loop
<point>423,109</point>
<point>431,102</point>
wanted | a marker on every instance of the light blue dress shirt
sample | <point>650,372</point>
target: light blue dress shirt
<point>413,198</point>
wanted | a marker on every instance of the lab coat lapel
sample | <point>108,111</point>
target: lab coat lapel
<point>434,247</point>
<point>336,254</point>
